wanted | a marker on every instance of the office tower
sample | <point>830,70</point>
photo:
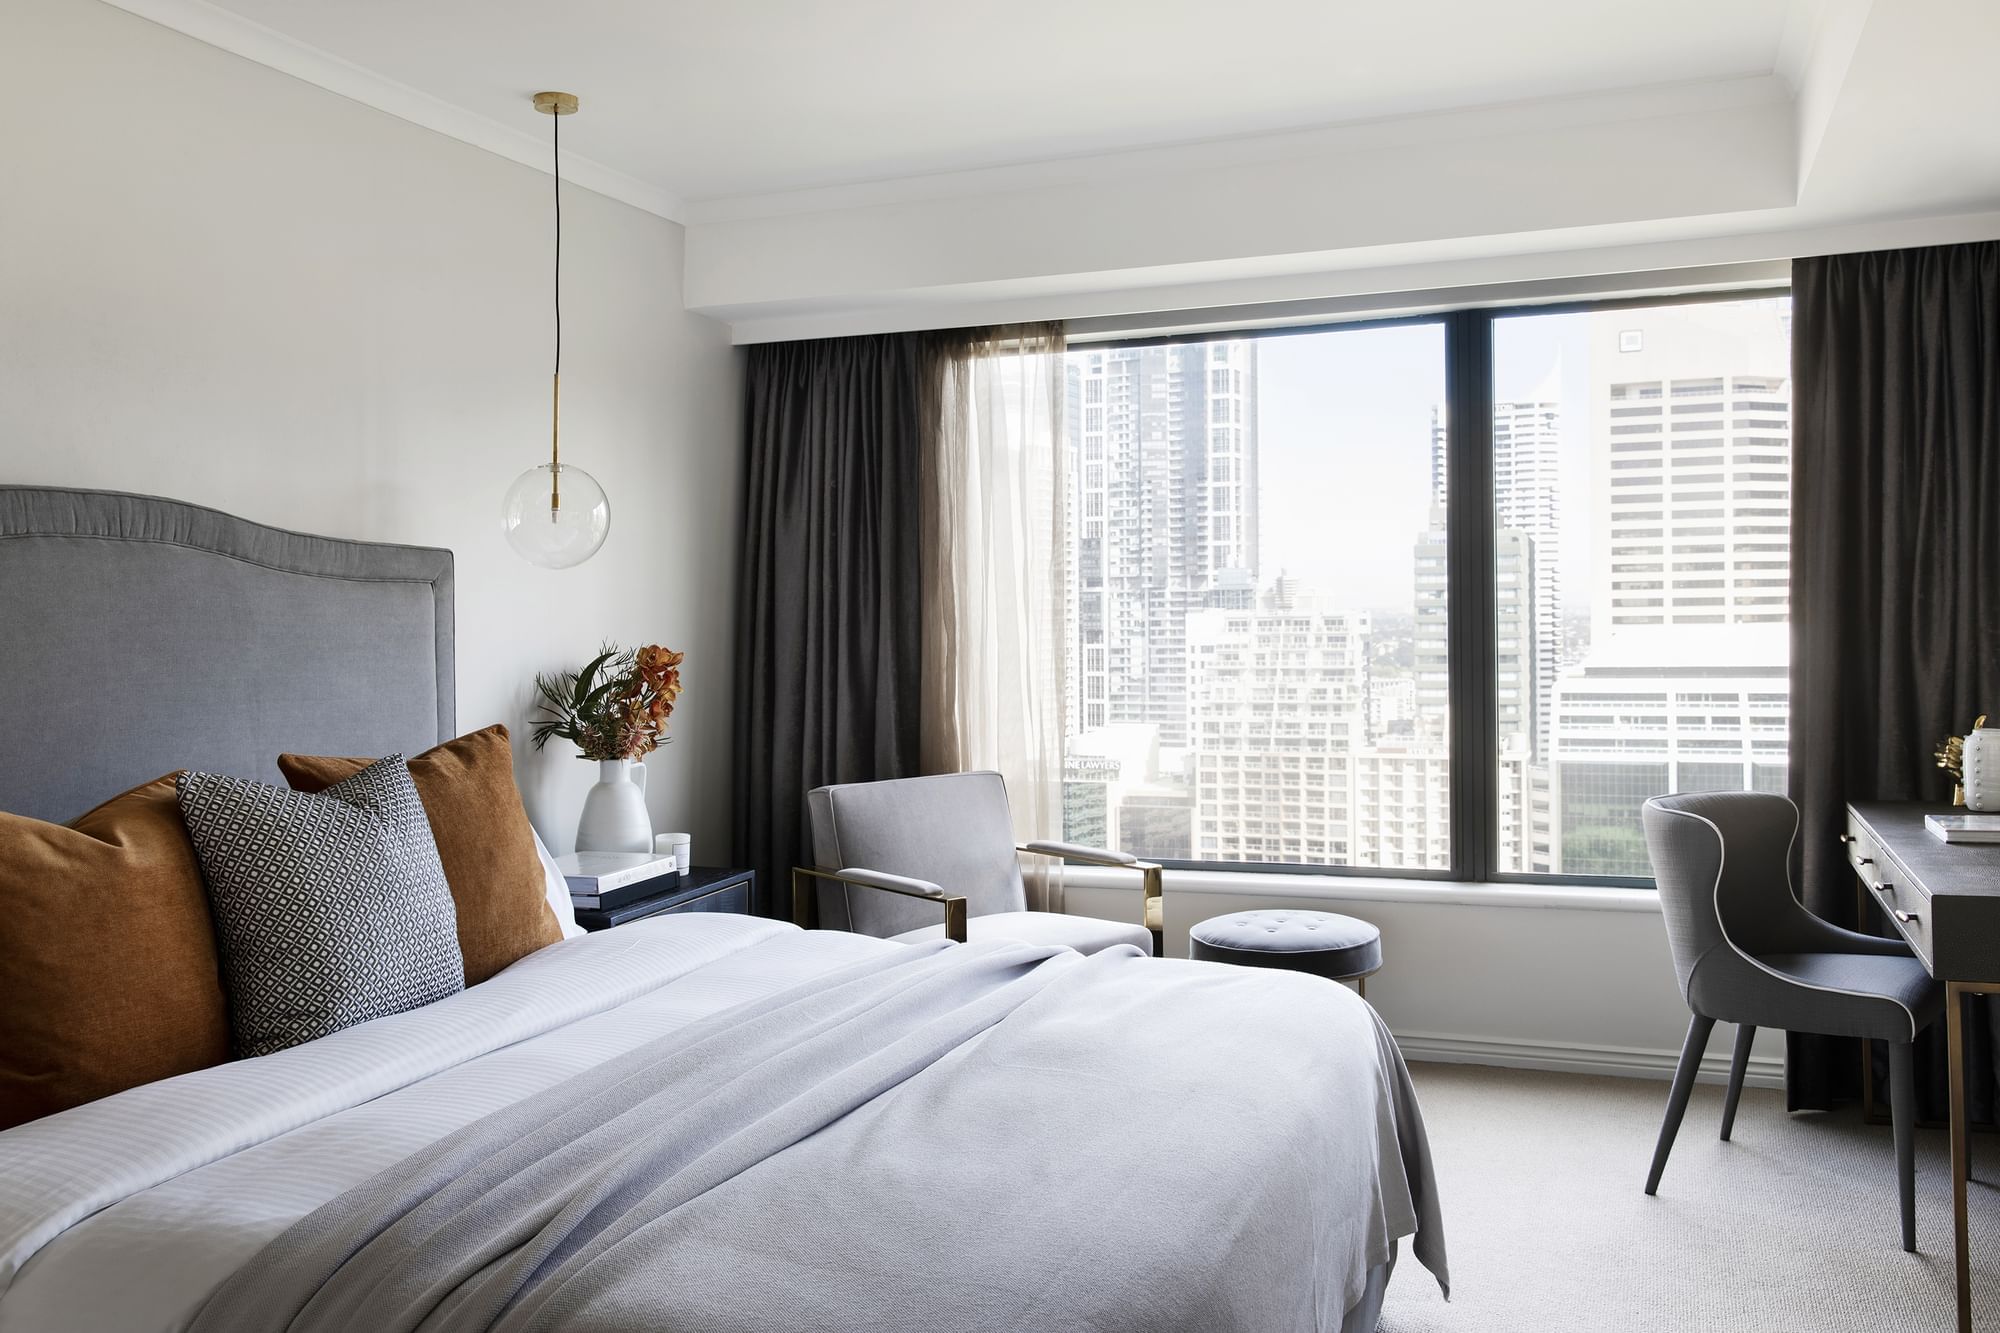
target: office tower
<point>1522,639</point>
<point>1165,505</point>
<point>1685,686</point>
<point>1526,504</point>
<point>1692,469</point>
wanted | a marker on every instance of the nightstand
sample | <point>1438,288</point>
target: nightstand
<point>704,889</point>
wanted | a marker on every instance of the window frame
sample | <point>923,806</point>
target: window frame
<point>1473,744</point>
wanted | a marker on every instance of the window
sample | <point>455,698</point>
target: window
<point>1260,666</point>
<point>1275,642</point>
<point>1600,620</point>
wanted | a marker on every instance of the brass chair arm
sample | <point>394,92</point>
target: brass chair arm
<point>1151,877</point>
<point>954,907</point>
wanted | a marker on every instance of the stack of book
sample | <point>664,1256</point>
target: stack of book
<point>618,885</point>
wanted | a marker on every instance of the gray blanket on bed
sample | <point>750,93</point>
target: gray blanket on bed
<point>968,1137</point>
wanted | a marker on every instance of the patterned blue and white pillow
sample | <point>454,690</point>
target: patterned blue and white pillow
<point>330,907</point>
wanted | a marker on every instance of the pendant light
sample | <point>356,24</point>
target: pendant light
<point>555,515</point>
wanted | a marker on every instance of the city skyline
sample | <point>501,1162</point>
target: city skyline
<point>1293,708</point>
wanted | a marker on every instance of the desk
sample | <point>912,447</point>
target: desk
<point>1944,898</point>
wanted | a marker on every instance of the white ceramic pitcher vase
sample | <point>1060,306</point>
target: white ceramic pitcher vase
<point>614,813</point>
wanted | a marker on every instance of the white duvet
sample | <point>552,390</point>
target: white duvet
<point>127,1213</point>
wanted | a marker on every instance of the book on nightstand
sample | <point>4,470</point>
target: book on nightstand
<point>603,880</point>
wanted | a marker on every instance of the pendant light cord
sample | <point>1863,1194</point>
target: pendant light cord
<point>555,161</point>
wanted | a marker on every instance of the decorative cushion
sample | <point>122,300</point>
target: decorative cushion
<point>108,971</point>
<point>1322,943</point>
<point>332,908</point>
<point>484,839</point>
<point>1085,934</point>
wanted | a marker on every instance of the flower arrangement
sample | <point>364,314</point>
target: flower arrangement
<point>615,706</point>
<point>1950,756</point>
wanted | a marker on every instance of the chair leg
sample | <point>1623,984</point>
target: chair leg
<point>1677,1100</point>
<point>1739,1060</point>
<point>1903,1112</point>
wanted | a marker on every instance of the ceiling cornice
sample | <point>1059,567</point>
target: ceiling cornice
<point>1410,130</point>
<point>253,41</point>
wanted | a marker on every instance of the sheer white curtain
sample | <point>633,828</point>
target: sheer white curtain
<point>994,619</point>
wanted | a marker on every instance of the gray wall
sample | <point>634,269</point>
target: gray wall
<point>221,284</point>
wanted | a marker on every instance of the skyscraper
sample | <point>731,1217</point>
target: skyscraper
<point>1692,473</point>
<point>1166,512</point>
<point>1527,509</point>
<point>1685,685</point>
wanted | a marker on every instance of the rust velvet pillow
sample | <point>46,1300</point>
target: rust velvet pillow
<point>108,969</point>
<point>483,838</point>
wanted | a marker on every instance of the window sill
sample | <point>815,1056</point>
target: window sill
<point>1277,889</point>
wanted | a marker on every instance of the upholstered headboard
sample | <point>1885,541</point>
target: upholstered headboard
<point>141,635</point>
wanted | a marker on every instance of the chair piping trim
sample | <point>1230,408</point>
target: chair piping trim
<point>1715,906</point>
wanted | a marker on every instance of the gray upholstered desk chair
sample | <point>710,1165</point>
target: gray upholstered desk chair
<point>889,855</point>
<point>1749,953</point>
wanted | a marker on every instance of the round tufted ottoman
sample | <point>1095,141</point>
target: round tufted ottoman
<point>1339,948</point>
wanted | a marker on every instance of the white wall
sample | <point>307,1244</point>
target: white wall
<point>1531,977</point>
<point>221,284</point>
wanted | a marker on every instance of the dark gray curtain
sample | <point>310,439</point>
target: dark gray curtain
<point>1895,570</point>
<point>829,622</point>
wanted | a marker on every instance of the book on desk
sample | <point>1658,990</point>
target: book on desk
<point>1963,828</point>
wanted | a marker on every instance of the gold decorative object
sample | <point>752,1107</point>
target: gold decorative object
<point>542,523</point>
<point>1950,756</point>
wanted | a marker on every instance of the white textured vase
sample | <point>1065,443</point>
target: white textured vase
<point>614,813</point>
<point>1981,766</point>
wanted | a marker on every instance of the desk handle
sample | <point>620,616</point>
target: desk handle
<point>1885,891</point>
<point>1847,837</point>
<point>1864,860</point>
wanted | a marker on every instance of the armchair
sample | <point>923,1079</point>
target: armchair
<point>902,841</point>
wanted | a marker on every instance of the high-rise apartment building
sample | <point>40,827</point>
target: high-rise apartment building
<point>1277,710</point>
<point>1165,508</point>
<point>1285,768</point>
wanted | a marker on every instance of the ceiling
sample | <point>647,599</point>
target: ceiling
<point>847,166</point>
<point>701,99</point>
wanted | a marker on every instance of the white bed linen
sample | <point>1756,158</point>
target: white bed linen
<point>126,1213</point>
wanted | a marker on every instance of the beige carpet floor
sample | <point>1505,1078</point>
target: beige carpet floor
<point>1790,1228</point>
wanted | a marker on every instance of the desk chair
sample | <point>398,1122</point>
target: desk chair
<point>888,855</point>
<point>1748,952</point>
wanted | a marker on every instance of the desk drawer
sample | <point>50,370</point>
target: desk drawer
<point>1908,906</point>
<point>1862,852</point>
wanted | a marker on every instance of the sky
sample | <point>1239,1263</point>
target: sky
<point>1344,444</point>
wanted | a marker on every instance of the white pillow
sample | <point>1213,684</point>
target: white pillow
<point>557,889</point>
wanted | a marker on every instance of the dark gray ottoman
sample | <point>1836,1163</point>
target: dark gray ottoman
<point>1325,944</point>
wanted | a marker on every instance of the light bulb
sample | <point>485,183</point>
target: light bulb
<point>556,515</point>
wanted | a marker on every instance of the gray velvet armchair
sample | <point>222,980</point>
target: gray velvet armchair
<point>1748,952</point>
<point>934,857</point>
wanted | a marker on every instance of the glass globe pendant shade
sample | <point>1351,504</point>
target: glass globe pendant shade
<point>556,515</point>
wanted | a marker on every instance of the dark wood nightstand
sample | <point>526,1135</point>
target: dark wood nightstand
<point>704,889</point>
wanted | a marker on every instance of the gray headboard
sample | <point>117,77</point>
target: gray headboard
<point>141,635</point>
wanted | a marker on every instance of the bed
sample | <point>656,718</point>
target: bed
<point>702,1122</point>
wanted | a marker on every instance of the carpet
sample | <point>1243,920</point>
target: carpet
<point>1789,1228</point>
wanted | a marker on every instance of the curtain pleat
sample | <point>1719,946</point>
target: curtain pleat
<point>1895,563</point>
<point>830,619</point>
